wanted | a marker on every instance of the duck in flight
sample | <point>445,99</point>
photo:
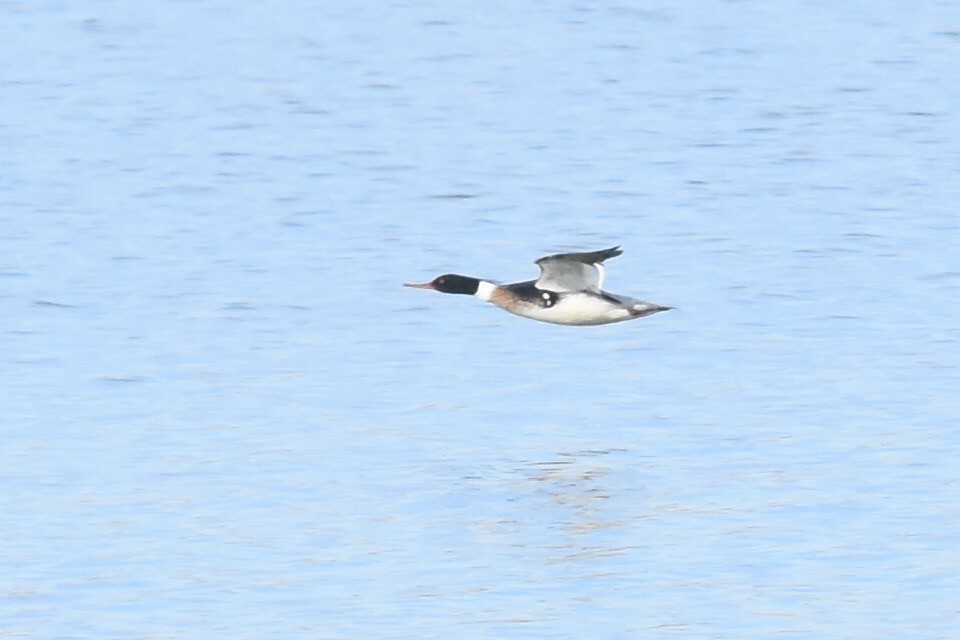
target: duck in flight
<point>567,292</point>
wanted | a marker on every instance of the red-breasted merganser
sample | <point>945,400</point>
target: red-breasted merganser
<point>567,292</point>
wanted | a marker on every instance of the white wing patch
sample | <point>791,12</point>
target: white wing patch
<point>568,276</point>
<point>573,272</point>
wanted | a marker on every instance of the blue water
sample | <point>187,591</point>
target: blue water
<point>222,417</point>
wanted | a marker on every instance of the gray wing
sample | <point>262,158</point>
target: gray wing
<point>574,271</point>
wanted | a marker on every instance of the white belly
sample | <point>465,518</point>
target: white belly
<point>575,310</point>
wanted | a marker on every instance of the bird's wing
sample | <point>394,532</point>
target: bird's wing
<point>574,271</point>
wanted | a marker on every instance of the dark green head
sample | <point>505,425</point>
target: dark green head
<point>450,283</point>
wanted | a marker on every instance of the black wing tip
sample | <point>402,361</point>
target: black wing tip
<point>612,252</point>
<point>588,257</point>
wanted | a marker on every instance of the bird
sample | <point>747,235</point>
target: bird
<point>567,292</point>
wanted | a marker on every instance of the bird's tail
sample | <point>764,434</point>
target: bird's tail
<point>639,308</point>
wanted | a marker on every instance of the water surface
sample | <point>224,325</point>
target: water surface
<point>223,417</point>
